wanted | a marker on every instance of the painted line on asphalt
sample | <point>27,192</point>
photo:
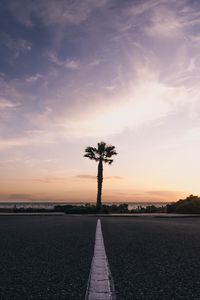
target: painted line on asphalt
<point>100,283</point>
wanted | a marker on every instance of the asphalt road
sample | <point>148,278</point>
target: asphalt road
<point>45,257</point>
<point>154,258</point>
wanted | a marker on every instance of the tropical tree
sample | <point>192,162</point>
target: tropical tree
<point>101,154</point>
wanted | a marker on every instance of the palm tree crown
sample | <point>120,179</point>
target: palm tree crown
<point>103,152</point>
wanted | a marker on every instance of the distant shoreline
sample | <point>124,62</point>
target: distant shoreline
<point>51,204</point>
<point>83,202</point>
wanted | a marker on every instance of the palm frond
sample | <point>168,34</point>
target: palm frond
<point>101,147</point>
<point>103,152</point>
<point>90,152</point>
<point>90,149</point>
<point>110,151</point>
<point>109,161</point>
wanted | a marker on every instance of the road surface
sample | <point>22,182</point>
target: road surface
<point>49,257</point>
<point>154,258</point>
<point>45,257</point>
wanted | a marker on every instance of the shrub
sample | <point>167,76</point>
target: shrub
<point>189,205</point>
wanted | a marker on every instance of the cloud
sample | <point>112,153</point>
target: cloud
<point>163,193</point>
<point>87,176</point>
<point>10,94</point>
<point>71,64</point>
<point>20,196</point>
<point>28,139</point>
<point>28,161</point>
<point>95,62</point>
<point>125,93</point>
<point>114,177</point>
<point>139,8</point>
<point>54,12</point>
<point>23,197</point>
<point>67,63</point>
<point>144,196</point>
<point>4,103</point>
<point>16,45</point>
<point>192,135</point>
<point>16,197</point>
<point>172,19</point>
<point>164,23</point>
<point>34,78</point>
<point>49,180</point>
<point>111,109</point>
<point>148,101</point>
<point>113,105</point>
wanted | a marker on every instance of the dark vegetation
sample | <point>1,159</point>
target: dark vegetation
<point>91,209</point>
<point>149,209</point>
<point>25,210</point>
<point>189,205</point>
<point>76,209</point>
<point>107,209</point>
<point>88,209</point>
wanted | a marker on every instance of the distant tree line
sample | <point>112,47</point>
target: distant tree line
<point>91,209</point>
<point>108,209</point>
<point>189,205</point>
<point>149,209</point>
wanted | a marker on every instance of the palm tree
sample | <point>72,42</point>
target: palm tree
<point>102,153</point>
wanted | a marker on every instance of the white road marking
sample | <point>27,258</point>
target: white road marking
<point>100,283</point>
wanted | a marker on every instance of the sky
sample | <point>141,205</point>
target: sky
<point>74,73</point>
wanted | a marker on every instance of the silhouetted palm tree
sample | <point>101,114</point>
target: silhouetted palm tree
<point>102,153</point>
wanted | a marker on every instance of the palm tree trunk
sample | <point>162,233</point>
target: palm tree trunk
<point>99,184</point>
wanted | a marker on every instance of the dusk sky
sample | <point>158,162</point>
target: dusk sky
<point>74,73</point>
